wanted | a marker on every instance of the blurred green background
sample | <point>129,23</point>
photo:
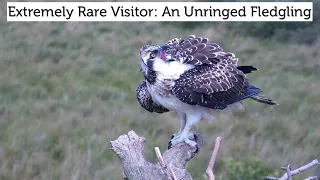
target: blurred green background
<point>67,89</point>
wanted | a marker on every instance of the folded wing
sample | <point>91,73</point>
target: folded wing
<point>214,86</point>
<point>198,51</point>
<point>145,99</point>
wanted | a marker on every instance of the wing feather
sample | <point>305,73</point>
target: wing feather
<point>145,99</point>
<point>214,80</point>
<point>210,86</point>
<point>197,51</point>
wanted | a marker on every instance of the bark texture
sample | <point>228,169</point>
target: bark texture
<point>130,149</point>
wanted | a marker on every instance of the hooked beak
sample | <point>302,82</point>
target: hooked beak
<point>170,60</point>
<point>164,56</point>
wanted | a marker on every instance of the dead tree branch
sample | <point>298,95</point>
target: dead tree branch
<point>130,149</point>
<point>171,165</point>
<point>289,174</point>
<point>288,171</point>
<point>164,166</point>
<point>209,171</point>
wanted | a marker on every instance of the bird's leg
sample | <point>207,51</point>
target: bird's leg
<point>186,134</point>
<point>182,119</point>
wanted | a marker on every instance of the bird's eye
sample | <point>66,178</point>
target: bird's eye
<point>152,55</point>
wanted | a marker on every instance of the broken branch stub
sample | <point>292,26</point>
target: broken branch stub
<point>130,149</point>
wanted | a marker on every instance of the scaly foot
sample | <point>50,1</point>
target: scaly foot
<point>174,135</point>
<point>183,138</point>
<point>178,135</point>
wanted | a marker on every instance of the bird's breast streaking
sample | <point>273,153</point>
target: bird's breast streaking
<point>166,75</point>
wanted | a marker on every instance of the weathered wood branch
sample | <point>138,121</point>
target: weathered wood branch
<point>130,150</point>
<point>288,171</point>
<point>209,170</point>
<point>288,175</point>
<point>172,164</point>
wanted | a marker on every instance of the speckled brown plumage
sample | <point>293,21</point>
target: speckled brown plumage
<point>214,81</point>
<point>210,86</point>
<point>192,77</point>
<point>145,100</point>
<point>197,51</point>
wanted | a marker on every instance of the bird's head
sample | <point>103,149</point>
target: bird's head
<point>149,54</point>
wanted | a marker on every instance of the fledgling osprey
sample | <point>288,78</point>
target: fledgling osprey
<point>193,78</point>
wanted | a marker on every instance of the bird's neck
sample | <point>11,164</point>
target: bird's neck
<point>151,76</point>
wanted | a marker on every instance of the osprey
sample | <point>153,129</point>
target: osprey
<point>192,77</point>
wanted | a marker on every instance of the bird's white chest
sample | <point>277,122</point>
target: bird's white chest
<point>169,101</point>
<point>173,69</point>
<point>164,97</point>
<point>161,90</point>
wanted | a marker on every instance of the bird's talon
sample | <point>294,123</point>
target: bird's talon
<point>175,136</point>
<point>172,136</point>
<point>197,149</point>
<point>195,137</point>
<point>196,146</point>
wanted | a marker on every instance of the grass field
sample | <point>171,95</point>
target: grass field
<point>67,89</point>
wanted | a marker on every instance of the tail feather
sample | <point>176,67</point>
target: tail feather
<point>249,92</point>
<point>263,99</point>
<point>252,92</point>
<point>247,69</point>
